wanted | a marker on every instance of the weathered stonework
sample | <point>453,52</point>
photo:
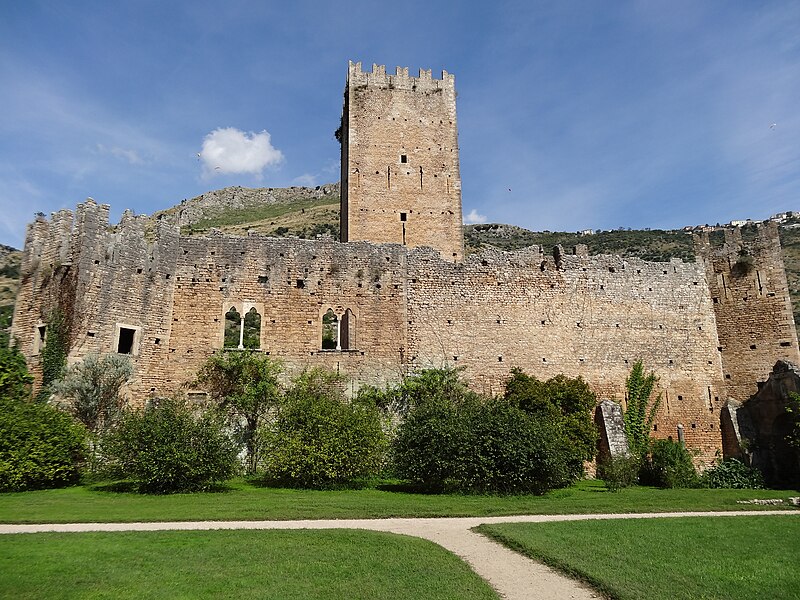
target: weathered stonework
<point>162,298</point>
<point>400,173</point>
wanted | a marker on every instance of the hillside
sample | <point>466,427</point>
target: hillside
<point>9,282</point>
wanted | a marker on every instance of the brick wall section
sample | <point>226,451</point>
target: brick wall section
<point>400,160</point>
<point>588,316</point>
<point>752,306</point>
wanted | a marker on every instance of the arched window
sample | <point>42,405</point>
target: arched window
<point>251,332</point>
<point>233,324</point>
<point>330,330</point>
<point>348,331</point>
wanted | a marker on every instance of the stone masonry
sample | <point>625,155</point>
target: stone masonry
<point>144,290</point>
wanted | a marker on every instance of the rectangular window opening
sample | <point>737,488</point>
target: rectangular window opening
<point>125,343</point>
<point>403,158</point>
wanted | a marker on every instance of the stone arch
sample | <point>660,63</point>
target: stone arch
<point>232,326</point>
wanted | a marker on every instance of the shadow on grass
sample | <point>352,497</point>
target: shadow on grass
<point>130,487</point>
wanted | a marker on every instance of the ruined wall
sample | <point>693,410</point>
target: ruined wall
<point>104,279</point>
<point>400,169</point>
<point>576,315</point>
<point>747,282</point>
<point>546,313</point>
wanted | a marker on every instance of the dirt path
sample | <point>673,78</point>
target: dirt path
<point>514,576</point>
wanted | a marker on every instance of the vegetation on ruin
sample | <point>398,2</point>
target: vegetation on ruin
<point>242,564</point>
<point>54,353</point>
<point>680,558</point>
<point>668,464</point>
<point>641,409</point>
<point>252,500</point>
<point>165,448</point>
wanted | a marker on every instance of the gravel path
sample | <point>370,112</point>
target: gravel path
<point>514,576</point>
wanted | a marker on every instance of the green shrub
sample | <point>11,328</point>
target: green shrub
<point>619,472</point>
<point>482,445</point>
<point>89,390</point>
<point>669,465</point>
<point>40,447</point>
<point>732,473</point>
<point>165,448</point>
<point>319,439</point>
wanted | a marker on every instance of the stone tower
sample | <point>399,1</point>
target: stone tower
<point>400,175</point>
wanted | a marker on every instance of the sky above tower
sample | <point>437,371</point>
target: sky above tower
<point>572,114</point>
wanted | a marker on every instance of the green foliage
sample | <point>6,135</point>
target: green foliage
<point>319,439</point>
<point>15,381</point>
<point>40,447</point>
<point>566,401</point>
<point>165,448</point>
<point>640,413</point>
<point>245,386</point>
<point>619,472</point>
<point>733,474</point>
<point>482,445</point>
<point>54,353</point>
<point>669,465</point>
<point>89,390</point>
<point>427,385</point>
<point>6,315</point>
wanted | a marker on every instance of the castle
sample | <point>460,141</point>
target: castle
<point>398,293</point>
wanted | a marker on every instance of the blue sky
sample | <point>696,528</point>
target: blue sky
<point>572,114</point>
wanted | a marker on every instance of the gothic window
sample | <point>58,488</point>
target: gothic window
<point>242,331</point>
<point>330,330</point>
<point>348,330</point>
<point>233,323</point>
<point>251,330</point>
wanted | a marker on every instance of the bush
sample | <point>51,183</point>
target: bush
<point>40,447</point>
<point>566,401</point>
<point>89,390</point>
<point>482,445</point>
<point>732,473</point>
<point>165,448</point>
<point>319,439</point>
<point>619,472</point>
<point>669,465</point>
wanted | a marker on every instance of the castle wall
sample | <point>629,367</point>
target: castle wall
<point>545,313</point>
<point>400,169</point>
<point>747,282</point>
<point>578,315</point>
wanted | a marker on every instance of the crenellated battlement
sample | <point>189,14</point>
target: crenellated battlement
<point>401,80</point>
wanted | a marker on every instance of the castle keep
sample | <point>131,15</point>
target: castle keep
<point>398,293</point>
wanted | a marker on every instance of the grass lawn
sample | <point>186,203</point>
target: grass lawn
<point>692,558</point>
<point>244,501</point>
<point>233,564</point>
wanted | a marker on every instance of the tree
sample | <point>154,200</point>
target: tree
<point>89,390</point>
<point>244,385</point>
<point>641,412</point>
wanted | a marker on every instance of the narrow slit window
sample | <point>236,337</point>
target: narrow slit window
<point>403,158</point>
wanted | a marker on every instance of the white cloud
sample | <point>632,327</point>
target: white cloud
<point>474,217</point>
<point>305,180</point>
<point>229,150</point>
<point>130,155</point>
